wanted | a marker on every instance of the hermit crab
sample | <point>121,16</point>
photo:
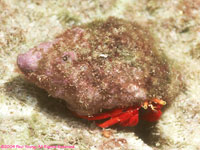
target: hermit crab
<point>106,69</point>
<point>130,115</point>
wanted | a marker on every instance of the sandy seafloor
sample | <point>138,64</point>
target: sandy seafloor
<point>29,117</point>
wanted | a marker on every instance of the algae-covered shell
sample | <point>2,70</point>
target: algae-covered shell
<point>100,65</point>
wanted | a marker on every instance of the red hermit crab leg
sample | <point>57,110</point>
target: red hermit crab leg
<point>122,117</point>
<point>133,121</point>
<point>126,117</point>
<point>130,113</point>
<point>101,116</point>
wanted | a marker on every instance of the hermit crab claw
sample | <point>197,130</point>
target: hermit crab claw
<point>130,116</point>
<point>153,110</point>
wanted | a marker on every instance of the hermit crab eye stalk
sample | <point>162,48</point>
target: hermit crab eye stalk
<point>152,103</point>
